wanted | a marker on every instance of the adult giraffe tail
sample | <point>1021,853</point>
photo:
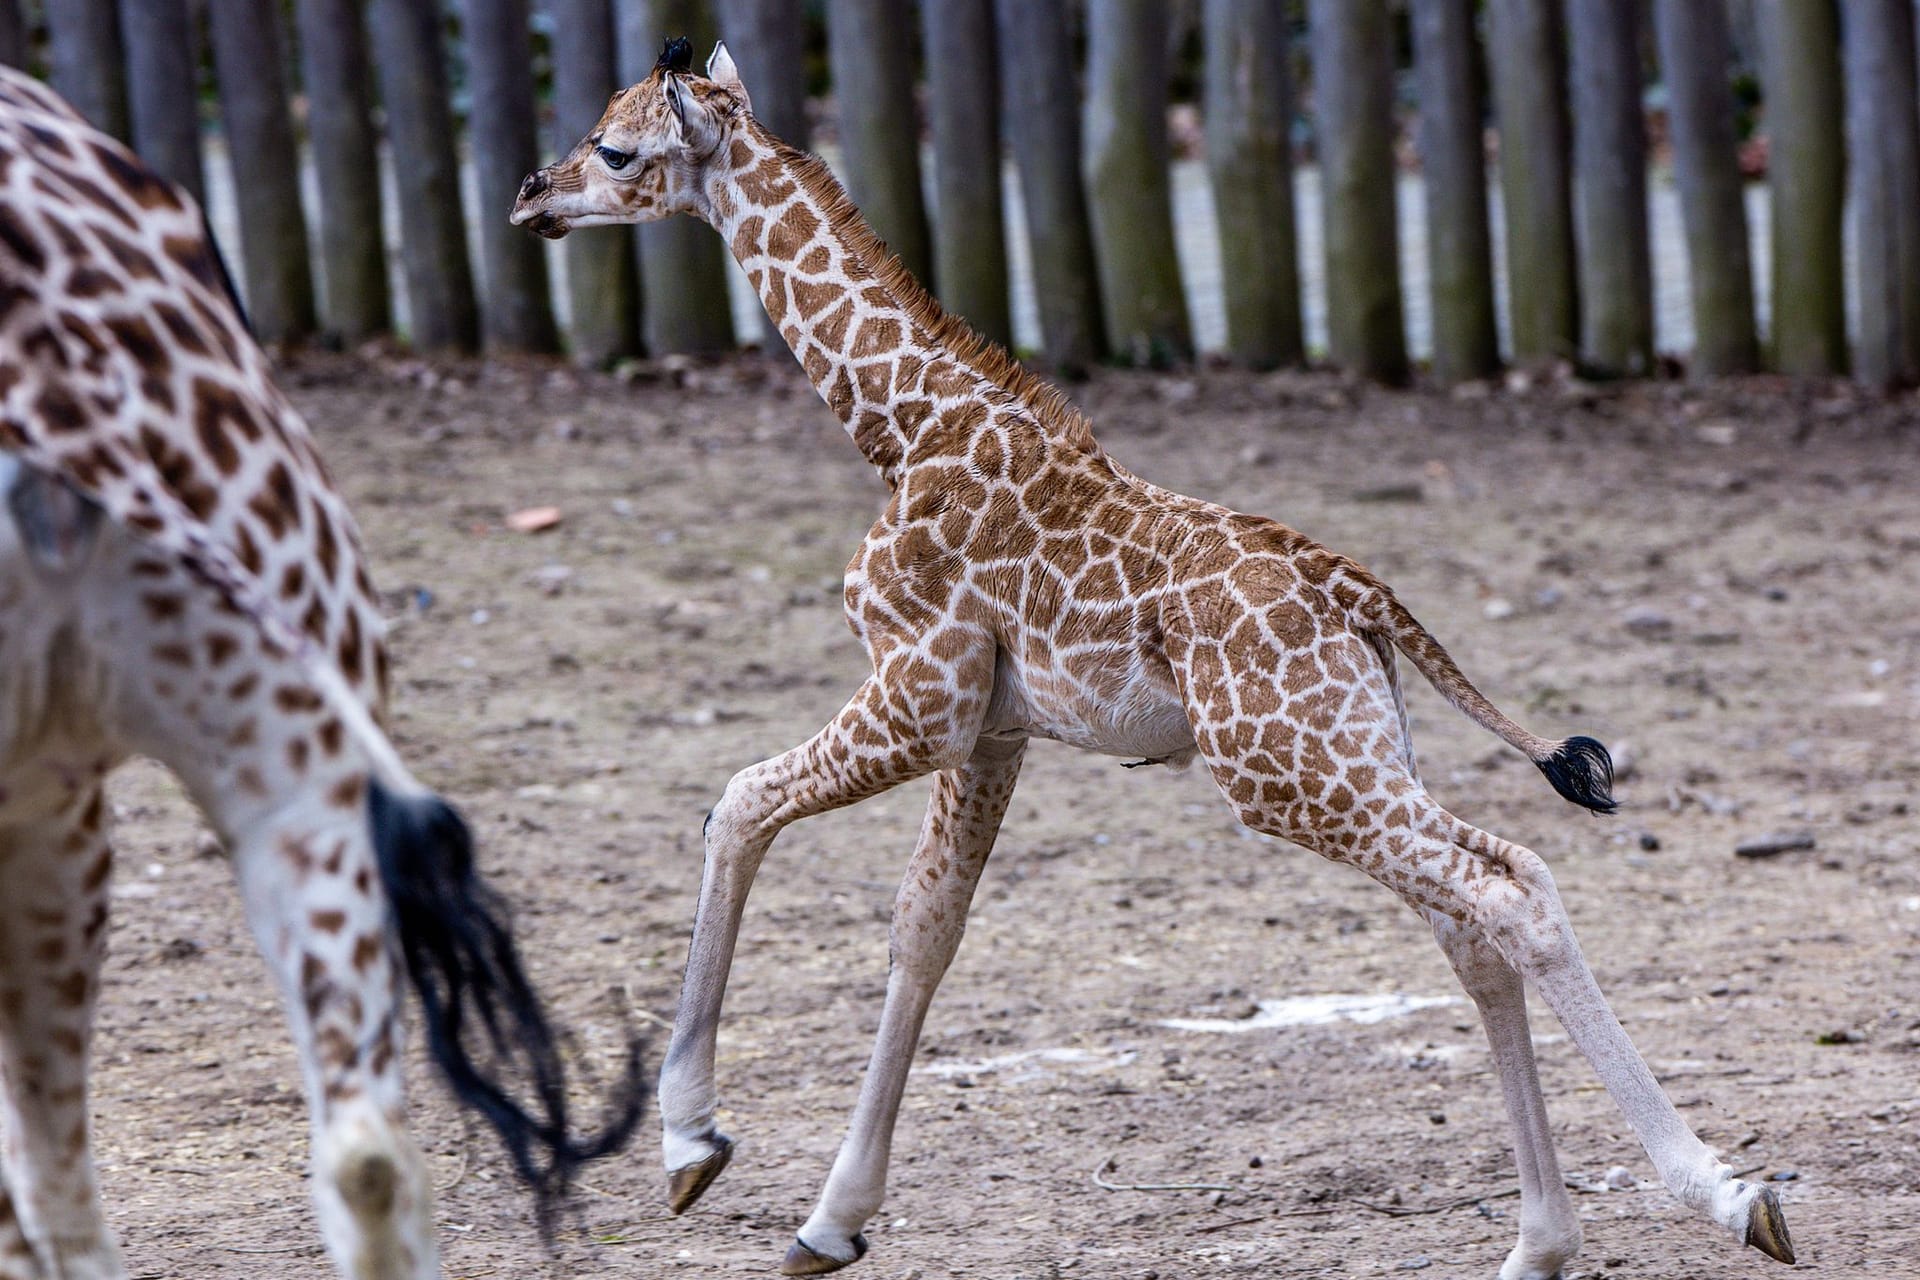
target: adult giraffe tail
<point>1578,767</point>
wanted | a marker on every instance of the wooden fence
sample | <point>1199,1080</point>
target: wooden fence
<point>1552,99</point>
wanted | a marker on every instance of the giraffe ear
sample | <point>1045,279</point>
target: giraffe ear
<point>697,129</point>
<point>725,75</point>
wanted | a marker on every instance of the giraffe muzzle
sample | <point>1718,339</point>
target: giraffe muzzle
<point>539,221</point>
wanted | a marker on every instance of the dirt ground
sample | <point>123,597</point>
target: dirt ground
<point>1724,585</point>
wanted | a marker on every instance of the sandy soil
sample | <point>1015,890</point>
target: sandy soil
<point>1725,585</point>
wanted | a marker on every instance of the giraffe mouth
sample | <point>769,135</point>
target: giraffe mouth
<point>550,225</point>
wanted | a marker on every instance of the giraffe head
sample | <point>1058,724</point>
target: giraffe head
<point>646,158</point>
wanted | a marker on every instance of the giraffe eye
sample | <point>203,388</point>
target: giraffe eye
<point>615,160</point>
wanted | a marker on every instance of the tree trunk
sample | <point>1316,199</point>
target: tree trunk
<point>1131,200</point>
<point>1453,156</point>
<point>1528,64</point>
<point>767,39</point>
<point>515,312</point>
<point>603,282</point>
<point>1041,113</point>
<point>163,89</point>
<point>346,161</point>
<point>266,169</point>
<point>1353,91</point>
<point>870,48</point>
<point>683,264</point>
<point>970,237</point>
<point>1885,188</point>
<point>413,88</point>
<point>1248,118</point>
<point>13,34</point>
<point>84,53</point>
<point>1694,57</point>
<point>1806,169</point>
<point>1610,155</point>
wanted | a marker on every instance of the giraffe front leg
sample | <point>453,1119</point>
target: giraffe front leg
<point>1549,1227</point>
<point>884,736</point>
<point>53,916</point>
<point>313,899</point>
<point>929,917</point>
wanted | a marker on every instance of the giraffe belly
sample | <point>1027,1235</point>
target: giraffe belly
<point>1136,714</point>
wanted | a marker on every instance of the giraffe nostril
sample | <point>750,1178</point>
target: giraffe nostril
<point>536,182</point>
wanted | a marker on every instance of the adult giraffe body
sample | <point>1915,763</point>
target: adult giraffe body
<point>179,579</point>
<point>1021,584</point>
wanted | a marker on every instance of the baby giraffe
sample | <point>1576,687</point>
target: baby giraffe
<point>179,579</point>
<point>1021,584</point>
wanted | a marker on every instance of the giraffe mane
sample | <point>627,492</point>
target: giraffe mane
<point>989,359</point>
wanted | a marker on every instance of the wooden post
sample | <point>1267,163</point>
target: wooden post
<point>353,253</point>
<point>413,88</point>
<point>683,264</point>
<point>83,48</point>
<point>1041,114</point>
<point>870,48</point>
<point>767,40</point>
<point>1885,188</point>
<point>603,282</point>
<point>1453,158</point>
<point>1610,156</point>
<point>266,168</point>
<point>970,236</point>
<point>1353,92</point>
<point>163,89</point>
<point>1127,182</point>
<point>1806,171</point>
<point>13,34</point>
<point>1248,117</point>
<point>515,313</point>
<point>1694,57</point>
<point>1527,59</point>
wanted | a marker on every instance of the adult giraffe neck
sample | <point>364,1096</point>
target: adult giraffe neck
<point>887,359</point>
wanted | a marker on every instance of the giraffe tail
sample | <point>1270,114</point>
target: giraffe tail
<point>1579,767</point>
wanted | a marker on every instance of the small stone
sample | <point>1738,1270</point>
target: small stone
<point>1391,493</point>
<point>1649,841</point>
<point>552,579</point>
<point>1436,1117</point>
<point>1722,434</point>
<point>1620,1178</point>
<point>207,845</point>
<point>1257,455</point>
<point>1626,759</point>
<point>1497,609</point>
<point>1784,1175</point>
<point>1255,1163</point>
<point>1644,620</point>
<point>1774,843</point>
<point>1419,1262</point>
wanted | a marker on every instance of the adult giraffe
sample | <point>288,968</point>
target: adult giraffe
<point>179,579</point>
<point>1021,584</point>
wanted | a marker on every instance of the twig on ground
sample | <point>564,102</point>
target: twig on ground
<point>1402,1211</point>
<point>1108,1163</point>
<point>1222,1226</point>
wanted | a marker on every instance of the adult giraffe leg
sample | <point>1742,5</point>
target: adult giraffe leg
<point>16,1255</point>
<point>1549,1227</point>
<point>53,916</point>
<point>929,917</point>
<point>887,734</point>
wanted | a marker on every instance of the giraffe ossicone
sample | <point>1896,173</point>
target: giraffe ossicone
<point>179,579</point>
<point>1021,584</point>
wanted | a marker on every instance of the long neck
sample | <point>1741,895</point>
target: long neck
<point>890,364</point>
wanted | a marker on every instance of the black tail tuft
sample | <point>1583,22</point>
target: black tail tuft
<point>1582,771</point>
<point>485,1024</point>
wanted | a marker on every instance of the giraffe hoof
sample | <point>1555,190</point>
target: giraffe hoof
<point>685,1186</point>
<point>802,1261</point>
<point>1767,1227</point>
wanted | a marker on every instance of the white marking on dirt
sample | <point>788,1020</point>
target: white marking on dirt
<point>1313,1011</point>
<point>1035,1063</point>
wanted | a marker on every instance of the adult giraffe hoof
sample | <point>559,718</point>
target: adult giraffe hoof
<point>802,1261</point>
<point>684,1186</point>
<point>1767,1227</point>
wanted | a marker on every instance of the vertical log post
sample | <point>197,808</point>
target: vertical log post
<point>1806,170</point>
<point>1610,157</point>
<point>767,40</point>
<point>84,50</point>
<point>1453,157</point>
<point>970,237</point>
<point>1695,53</point>
<point>266,168</point>
<point>1041,113</point>
<point>515,313</point>
<point>163,89</point>
<point>1353,98</point>
<point>603,282</point>
<point>1248,121</point>
<point>870,48</point>
<point>1527,58</point>
<point>1885,189</point>
<point>413,88</point>
<point>683,264</point>
<point>346,161</point>
<point>1127,182</point>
